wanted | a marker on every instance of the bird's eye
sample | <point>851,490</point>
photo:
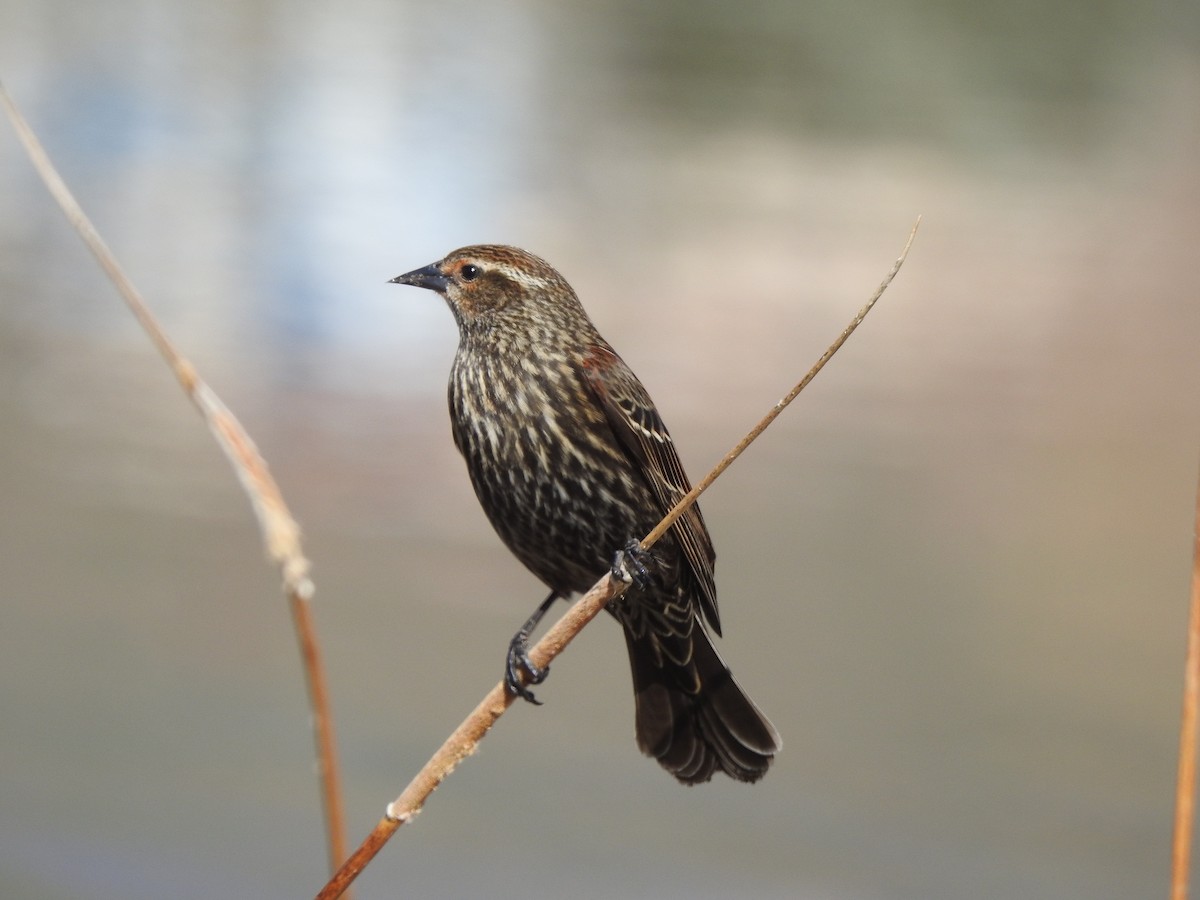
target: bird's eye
<point>470,272</point>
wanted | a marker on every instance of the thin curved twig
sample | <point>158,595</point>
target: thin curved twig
<point>281,533</point>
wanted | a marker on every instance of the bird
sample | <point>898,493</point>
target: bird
<point>571,462</point>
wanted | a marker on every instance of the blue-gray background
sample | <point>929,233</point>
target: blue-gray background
<point>955,573</point>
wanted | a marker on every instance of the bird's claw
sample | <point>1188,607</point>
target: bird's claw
<point>518,662</point>
<point>629,565</point>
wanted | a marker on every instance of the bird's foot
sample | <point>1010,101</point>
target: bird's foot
<point>629,565</point>
<point>518,662</point>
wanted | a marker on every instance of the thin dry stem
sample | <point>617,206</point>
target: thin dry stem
<point>281,534</point>
<point>465,739</point>
<point>702,485</point>
<point>463,742</point>
<point>328,770</point>
<point>1185,787</point>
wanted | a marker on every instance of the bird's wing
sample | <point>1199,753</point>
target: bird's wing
<point>641,432</point>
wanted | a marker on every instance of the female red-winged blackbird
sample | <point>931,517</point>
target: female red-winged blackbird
<point>570,460</point>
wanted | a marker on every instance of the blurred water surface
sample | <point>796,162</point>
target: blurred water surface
<point>954,574</point>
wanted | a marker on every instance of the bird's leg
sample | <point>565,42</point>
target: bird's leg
<point>629,565</point>
<point>518,656</point>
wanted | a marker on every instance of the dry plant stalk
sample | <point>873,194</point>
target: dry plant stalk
<point>281,533</point>
<point>463,742</point>
<point>1185,786</point>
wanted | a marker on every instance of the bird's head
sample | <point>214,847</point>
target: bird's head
<point>488,283</point>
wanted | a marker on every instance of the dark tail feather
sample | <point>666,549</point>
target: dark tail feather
<point>692,717</point>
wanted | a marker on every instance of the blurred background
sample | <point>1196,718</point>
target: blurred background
<point>955,573</point>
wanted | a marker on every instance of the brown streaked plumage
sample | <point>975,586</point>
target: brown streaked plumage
<point>571,461</point>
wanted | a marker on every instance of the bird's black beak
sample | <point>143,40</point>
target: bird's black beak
<point>429,277</point>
